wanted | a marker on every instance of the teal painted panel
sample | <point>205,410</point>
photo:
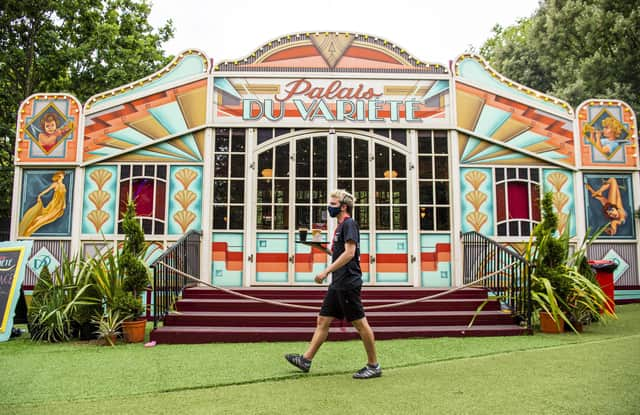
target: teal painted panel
<point>180,221</point>
<point>107,179</point>
<point>483,179</point>
<point>392,277</point>
<point>170,117</point>
<point>526,139</point>
<point>272,243</point>
<point>235,240</point>
<point>272,277</point>
<point>439,278</point>
<point>131,136</point>
<point>437,88</point>
<point>626,294</point>
<point>490,120</point>
<point>428,241</point>
<point>225,278</point>
<point>392,243</point>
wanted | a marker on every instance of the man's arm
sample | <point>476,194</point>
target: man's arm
<point>347,255</point>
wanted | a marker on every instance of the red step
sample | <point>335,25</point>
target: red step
<point>199,334</point>
<point>315,292</point>
<point>206,315</point>
<point>308,319</point>
<point>212,305</point>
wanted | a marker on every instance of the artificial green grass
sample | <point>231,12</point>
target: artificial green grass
<point>597,372</point>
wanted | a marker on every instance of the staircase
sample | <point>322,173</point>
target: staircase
<point>207,315</point>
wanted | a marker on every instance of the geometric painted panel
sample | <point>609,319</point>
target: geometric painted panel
<point>560,184</point>
<point>435,253</point>
<point>99,207</point>
<point>476,187</point>
<point>185,199</point>
<point>609,204</point>
<point>227,259</point>
<point>48,129</point>
<point>519,133</point>
<point>392,258</point>
<point>608,134</point>
<point>43,258</point>
<point>46,204</point>
<point>623,254</point>
<point>144,125</point>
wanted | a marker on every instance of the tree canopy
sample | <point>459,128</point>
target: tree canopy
<point>80,47</point>
<point>574,50</point>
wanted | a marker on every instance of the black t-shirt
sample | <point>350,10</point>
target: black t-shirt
<point>350,275</point>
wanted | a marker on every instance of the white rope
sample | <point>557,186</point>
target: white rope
<point>306,307</point>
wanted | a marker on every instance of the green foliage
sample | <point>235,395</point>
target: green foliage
<point>128,306</point>
<point>76,46</point>
<point>562,285</point>
<point>109,324</point>
<point>136,273</point>
<point>56,300</point>
<point>573,49</point>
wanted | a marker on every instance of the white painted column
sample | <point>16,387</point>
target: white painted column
<point>250,231</point>
<point>207,186</point>
<point>413,209</point>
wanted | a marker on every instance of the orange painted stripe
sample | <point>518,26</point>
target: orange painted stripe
<point>392,267</point>
<point>371,54</point>
<point>296,52</point>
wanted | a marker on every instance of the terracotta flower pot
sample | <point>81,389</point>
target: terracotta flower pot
<point>134,330</point>
<point>547,325</point>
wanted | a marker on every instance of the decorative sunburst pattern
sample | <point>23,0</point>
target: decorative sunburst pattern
<point>137,130</point>
<point>513,124</point>
<point>331,52</point>
<point>560,183</point>
<point>99,205</point>
<point>477,206</point>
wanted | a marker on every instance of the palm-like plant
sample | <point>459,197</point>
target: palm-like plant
<point>561,284</point>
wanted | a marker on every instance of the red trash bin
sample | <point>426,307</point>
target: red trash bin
<point>604,274</point>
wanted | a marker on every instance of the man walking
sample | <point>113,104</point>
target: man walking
<point>342,300</point>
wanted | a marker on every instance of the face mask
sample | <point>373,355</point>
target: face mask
<point>333,211</point>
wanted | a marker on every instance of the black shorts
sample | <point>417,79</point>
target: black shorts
<point>343,304</point>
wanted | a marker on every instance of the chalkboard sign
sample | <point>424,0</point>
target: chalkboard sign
<point>13,258</point>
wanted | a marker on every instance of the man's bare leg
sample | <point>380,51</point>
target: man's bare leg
<point>368,339</point>
<point>319,336</point>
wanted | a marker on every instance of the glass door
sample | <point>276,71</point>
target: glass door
<point>294,179</point>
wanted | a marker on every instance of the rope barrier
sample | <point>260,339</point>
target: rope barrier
<point>305,307</point>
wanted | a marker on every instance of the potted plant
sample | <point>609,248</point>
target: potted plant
<point>109,324</point>
<point>57,299</point>
<point>563,289</point>
<point>136,276</point>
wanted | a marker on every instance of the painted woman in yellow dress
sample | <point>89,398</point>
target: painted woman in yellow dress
<point>39,215</point>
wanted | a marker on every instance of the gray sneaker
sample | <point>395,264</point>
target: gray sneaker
<point>299,361</point>
<point>368,372</point>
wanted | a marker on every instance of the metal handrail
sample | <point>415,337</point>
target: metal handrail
<point>184,255</point>
<point>483,256</point>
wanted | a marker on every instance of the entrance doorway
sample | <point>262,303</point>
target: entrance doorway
<point>295,174</point>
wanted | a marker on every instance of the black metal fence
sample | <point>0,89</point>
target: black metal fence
<point>510,281</point>
<point>184,255</point>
